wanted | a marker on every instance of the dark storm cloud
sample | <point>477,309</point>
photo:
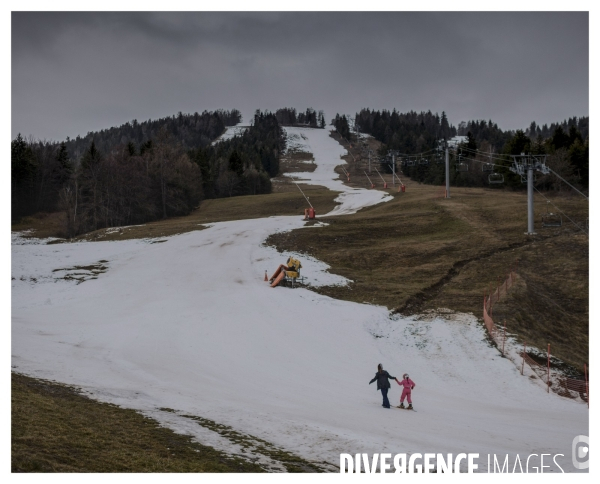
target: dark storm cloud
<point>76,72</point>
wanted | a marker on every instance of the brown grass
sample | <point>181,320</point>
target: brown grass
<point>56,429</point>
<point>297,161</point>
<point>42,225</point>
<point>286,200</point>
<point>422,252</point>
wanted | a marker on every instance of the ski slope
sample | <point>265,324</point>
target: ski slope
<point>231,131</point>
<point>189,324</point>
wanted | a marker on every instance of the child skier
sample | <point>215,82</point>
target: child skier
<point>407,385</point>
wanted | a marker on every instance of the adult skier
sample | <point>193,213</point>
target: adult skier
<point>407,385</point>
<point>383,384</point>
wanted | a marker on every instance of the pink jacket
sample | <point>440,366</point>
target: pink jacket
<point>407,383</point>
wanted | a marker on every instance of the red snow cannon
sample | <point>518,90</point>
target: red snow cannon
<point>309,213</point>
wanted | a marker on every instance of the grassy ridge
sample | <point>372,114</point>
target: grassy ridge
<point>56,429</point>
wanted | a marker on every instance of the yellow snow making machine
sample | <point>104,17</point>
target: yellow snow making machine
<point>288,274</point>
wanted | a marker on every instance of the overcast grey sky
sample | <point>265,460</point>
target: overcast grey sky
<point>79,72</point>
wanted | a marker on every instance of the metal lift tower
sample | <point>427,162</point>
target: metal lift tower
<point>529,163</point>
<point>393,154</point>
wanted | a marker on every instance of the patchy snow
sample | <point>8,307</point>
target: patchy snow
<point>25,238</point>
<point>295,141</point>
<point>190,325</point>
<point>327,152</point>
<point>454,142</point>
<point>232,131</point>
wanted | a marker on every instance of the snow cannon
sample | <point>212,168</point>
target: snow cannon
<point>309,213</point>
<point>287,274</point>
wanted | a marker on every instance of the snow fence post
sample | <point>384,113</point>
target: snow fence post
<point>523,363</point>
<point>548,367</point>
<point>587,388</point>
<point>504,338</point>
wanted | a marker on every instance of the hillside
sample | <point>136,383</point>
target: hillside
<point>202,339</point>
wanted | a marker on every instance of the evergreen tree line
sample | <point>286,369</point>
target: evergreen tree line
<point>410,132</point>
<point>131,184</point>
<point>40,169</point>
<point>289,117</point>
<point>341,125</point>
<point>565,144</point>
<point>192,130</point>
<point>244,164</point>
<point>582,124</point>
<point>567,155</point>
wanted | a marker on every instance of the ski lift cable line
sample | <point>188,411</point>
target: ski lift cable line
<point>302,192</point>
<point>576,225</point>
<point>417,154</point>
<point>488,155</point>
<point>497,156</point>
<point>572,221</point>
<point>500,157</point>
<point>582,194</point>
<point>414,154</point>
<point>483,162</point>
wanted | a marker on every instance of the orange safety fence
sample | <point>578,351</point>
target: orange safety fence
<point>555,381</point>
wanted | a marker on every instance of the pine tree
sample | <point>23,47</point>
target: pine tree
<point>471,144</point>
<point>91,158</point>
<point>64,167</point>
<point>445,127</point>
<point>131,149</point>
<point>518,144</point>
<point>23,172</point>
<point>560,138</point>
<point>235,163</point>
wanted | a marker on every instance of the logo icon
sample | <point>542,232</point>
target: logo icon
<point>580,452</point>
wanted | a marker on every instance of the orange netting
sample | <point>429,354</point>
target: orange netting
<point>557,382</point>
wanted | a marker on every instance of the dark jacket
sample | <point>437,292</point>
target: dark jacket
<point>382,379</point>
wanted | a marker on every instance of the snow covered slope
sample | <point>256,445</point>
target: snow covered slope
<point>189,324</point>
<point>232,131</point>
<point>326,152</point>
